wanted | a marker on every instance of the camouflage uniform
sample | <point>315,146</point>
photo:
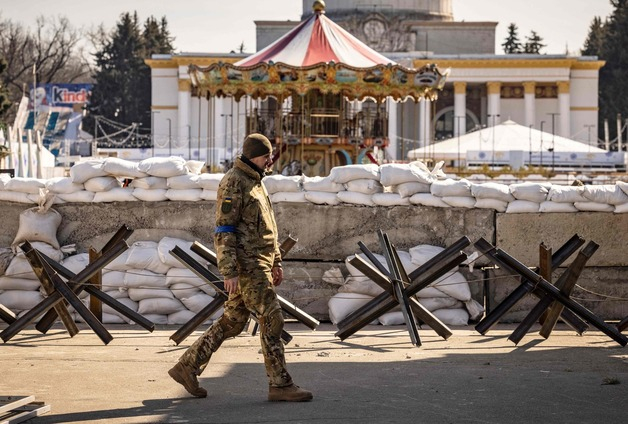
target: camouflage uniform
<point>247,248</point>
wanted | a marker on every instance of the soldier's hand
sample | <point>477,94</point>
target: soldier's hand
<point>231,285</point>
<point>277,275</point>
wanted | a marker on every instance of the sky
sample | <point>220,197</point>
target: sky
<point>219,26</point>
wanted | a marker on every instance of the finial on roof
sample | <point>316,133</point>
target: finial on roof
<point>319,6</point>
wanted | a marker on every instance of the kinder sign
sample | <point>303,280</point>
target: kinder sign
<point>60,95</point>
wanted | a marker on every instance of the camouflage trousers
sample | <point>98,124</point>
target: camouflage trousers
<point>252,297</point>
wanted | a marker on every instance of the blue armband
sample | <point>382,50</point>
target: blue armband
<point>226,229</point>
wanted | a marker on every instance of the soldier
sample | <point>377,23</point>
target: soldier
<point>249,259</point>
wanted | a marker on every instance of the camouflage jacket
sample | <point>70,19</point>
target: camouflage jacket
<point>246,232</point>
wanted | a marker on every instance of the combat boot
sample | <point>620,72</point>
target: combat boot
<point>292,393</point>
<point>187,378</point>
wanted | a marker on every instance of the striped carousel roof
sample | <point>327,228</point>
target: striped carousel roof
<point>318,40</point>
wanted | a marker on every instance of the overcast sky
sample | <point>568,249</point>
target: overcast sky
<point>221,25</point>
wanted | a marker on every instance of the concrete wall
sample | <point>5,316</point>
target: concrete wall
<point>327,235</point>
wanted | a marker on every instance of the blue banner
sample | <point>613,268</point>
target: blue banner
<point>60,95</point>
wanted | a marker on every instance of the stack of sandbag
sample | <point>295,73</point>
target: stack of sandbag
<point>322,190</point>
<point>152,282</point>
<point>449,298</point>
<point>20,190</point>
<point>360,182</point>
<point>283,188</point>
<point>19,285</point>
<point>403,181</point>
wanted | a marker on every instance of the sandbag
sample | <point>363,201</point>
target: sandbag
<point>150,195</point>
<point>76,263</point>
<point>492,191</point>
<point>565,194</point>
<point>428,199</point>
<point>594,207</point>
<point>25,185</point>
<point>163,167</point>
<point>137,294</point>
<point>82,196</point>
<point>398,173</point>
<point>183,290</point>
<point>117,194</point>
<point>623,208</point>
<point>452,317</point>
<point>609,194</point>
<point>63,185</point>
<point>165,245</point>
<point>183,182</point>
<point>83,171</point>
<point>554,207</point>
<point>451,187</point>
<point>390,199</point>
<point>9,282</point>
<point>346,173</point>
<point>38,224</point>
<point>194,166</point>
<point>342,304</point>
<point>408,189</point>
<point>98,184</point>
<point>282,183</point>
<point>522,206</point>
<point>623,186</point>
<point>322,197</point>
<point>189,195</point>
<point>321,184</point>
<point>159,306</point>
<point>459,201</point>
<point>145,255</point>
<point>113,281</point>
<point>498,205</point>
<point>210,181</point>
<point>364,186</point>
<point>150,183</point>
<point>123,168</point>
<point>209,195</point>
<point>533,192</point>
<point>288,197</point>
<point>355,198</point>
<point>196,302</point>
<point>360,285</point>
<point>15,196</point>
<point>140,278</point>
<point>182,317</point>
<point>20,300</point>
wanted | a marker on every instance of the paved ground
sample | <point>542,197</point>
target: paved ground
<point>376,376</point>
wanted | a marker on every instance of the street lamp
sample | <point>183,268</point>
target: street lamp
<point>169,136</point>
<point>152,129</point>
<point>541,150</point>
<point>589,137</point>
<point>494,116</point>
<point>552,150</point>
<point>530,153</point>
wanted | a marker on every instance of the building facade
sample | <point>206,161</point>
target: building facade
<point>553,93</point>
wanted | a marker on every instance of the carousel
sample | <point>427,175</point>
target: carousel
<point>319,94</point>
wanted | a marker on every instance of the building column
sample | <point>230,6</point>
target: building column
<point>184,121</point>
<point>424,122</point>
<point>529,98</point>
<point>460,108</point>
<point>393,131</point>
<point>564,108</point>
<point>493,90</point>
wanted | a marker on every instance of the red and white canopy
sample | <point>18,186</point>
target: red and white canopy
<point>318,40</point>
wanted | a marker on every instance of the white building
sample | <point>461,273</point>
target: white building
<point>552,93</point>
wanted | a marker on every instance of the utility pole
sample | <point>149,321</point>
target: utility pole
<point>553,115</point>
<point>458,118</point>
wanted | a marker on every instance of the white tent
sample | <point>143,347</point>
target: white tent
<point>516,145</point>
<point>505,137</point>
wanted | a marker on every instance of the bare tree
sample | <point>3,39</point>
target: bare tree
<point>53,47</point>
